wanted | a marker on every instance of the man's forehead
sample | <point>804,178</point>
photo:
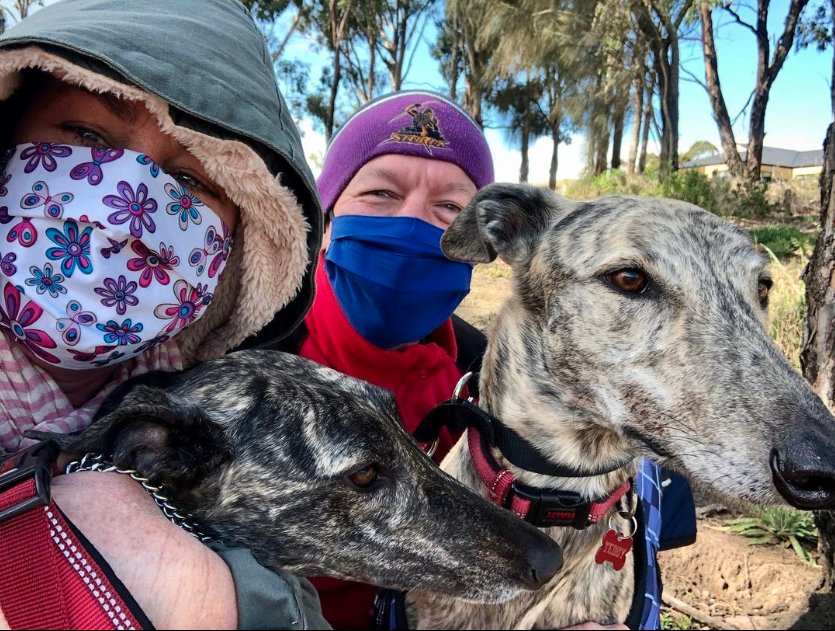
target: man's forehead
<point>410,170</point>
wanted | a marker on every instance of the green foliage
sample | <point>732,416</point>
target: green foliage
<point>784,241</point>
<point>780,526</point>
<point>611,183</point>
<point>266,10</point>
<point>699,149</point>
<point>816,29</point>
<point>692,187</point>
<point>749,199</point>
<point>678,622</point>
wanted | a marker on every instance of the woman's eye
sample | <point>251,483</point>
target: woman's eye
<point>88,137</point>
<point>190,182</point>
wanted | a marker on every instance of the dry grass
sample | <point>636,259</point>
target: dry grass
<point>787,306</point>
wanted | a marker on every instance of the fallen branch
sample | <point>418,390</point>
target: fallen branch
<point>714,623</point>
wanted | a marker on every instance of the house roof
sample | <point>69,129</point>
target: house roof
<point>772,156</point>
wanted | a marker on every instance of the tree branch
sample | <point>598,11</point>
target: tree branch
<point>296,20</point>
<point>742,111</point>
<point>695,79</point>
<point>739,20</point>
<point>9,11</point>
<point>414,50</point>
<point>685,8</point>
<point>786,41</point>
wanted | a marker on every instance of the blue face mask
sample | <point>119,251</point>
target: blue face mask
<point>391,279</point>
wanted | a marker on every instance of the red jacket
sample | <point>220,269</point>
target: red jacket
<point>420,376</point>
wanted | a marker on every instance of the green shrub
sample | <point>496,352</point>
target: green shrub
<point>677,622</point>
<point>690,186</point>
<point>750,199</point>
<point>780,526</point>
<point>784,241</point>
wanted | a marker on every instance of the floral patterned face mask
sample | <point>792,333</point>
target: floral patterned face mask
<point>103,255</point>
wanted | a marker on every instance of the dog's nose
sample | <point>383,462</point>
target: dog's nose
<point>804,470</point>
<point>545,561</point>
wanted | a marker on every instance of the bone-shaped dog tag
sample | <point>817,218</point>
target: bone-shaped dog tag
<point>614,549</point>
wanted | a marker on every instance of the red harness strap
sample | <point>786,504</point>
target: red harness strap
<point>541,507</point>
<point>51,577</point>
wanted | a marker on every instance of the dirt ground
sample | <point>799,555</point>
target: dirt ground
<point>745,587</point>
<point>730,584</point>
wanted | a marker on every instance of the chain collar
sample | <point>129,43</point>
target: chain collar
<point>97,462</point>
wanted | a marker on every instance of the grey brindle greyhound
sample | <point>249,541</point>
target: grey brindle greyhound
<point>314,472</point>
<point>636,327</point>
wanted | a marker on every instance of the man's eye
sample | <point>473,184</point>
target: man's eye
<point>380,193</point>
<point>453,207</point>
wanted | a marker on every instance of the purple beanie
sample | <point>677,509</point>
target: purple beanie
<point>409,123</point>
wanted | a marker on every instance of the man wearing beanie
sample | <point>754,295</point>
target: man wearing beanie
<point>396,174</point>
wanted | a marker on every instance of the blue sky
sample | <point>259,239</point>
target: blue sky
<point>798,112</point>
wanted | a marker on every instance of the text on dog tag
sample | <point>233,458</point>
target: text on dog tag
<point>614,549</point>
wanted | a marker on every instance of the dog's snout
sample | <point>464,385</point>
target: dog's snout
<point>545,560</point>
<point>804,470</point>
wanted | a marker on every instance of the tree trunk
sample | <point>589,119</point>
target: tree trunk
<point>473,97</point>
<point>330,120</point>
<point>832,81</point>
<point>648,114</point>
<point>552,175</point>
<point>602,151</point>
<point>372,70</point>
<point>402,44</point>
<point>672,101</point>
<point>456,51</point>
<point>617,133</point>
<point>526,139</point>
<point>662,71</point>
<point>637,117</point>
<point>717,99</point>
<point>818,350</point>
<point>767,70</point>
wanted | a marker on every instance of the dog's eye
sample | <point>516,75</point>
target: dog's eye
<point>365,477</point>
<point>632,281</point>
<point>763,288</point>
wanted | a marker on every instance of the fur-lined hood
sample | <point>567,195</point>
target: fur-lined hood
<point>203,69</point>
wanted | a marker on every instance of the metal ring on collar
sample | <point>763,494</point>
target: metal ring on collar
<point>456,394</point>
<point>614,527</point>
<point>632,497</point>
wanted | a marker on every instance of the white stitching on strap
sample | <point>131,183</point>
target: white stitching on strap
<point>498,479</point>
<point>88,575</point>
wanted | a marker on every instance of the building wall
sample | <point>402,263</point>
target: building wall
<point>714,170</point>
<point>776,173</point>
<point>807,172</point>
<point>768,171</point>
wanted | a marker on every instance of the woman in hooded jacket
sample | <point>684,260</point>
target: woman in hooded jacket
<point>155,210</point>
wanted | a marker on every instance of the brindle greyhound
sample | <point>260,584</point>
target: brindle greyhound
<point>635,328</point>
<point>314,472</point>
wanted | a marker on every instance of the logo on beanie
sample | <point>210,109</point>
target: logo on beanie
<point>424,129</point>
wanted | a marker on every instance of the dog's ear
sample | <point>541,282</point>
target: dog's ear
<point>502,220</point>
<point>150,431</point>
